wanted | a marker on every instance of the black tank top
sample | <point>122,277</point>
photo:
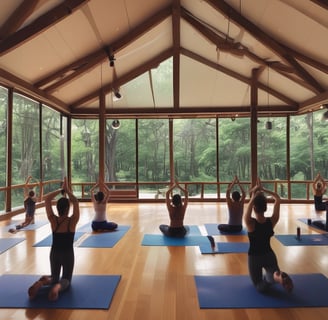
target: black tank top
<point>259,239</point>
<point>63,240</point>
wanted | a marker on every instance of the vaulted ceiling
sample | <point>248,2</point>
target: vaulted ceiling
<point>168,57</point>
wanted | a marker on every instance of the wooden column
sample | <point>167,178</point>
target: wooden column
<point>102,132</point>
<point>254,103</point>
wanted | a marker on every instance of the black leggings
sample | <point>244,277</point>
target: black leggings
<point>62,259</point>
<point>256,264</point>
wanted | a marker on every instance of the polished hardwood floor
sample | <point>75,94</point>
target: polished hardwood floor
<point>157,282</point>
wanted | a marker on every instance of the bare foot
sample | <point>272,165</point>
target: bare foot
<point>54,292</point>
<point>284,279</point>
<point>33,290</point>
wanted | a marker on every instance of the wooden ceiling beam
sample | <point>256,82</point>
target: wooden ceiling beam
<point>238,76</point>
<point>85,64</point>
<point>265,39</point>
<point>123,79</point>
<point>17,18</point>
<point>40,25</point>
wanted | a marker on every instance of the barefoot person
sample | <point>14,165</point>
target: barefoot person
<point>99,200</point>
<point>235,203</point>
<point>260,230</point>
<point>177,209</point>
<point>62,252</point>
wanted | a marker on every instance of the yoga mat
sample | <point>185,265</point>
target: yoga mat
<point>305,220</point>
<point>47,242</point>
<point>230,292</point>
<point>305,240</point>
<point>86,292</point>
<point>104,239</point>
<point>161,240</point>
<point>7,243</point>
<point>212,229</point>
<point>36,225</point>
<point>225,247</point>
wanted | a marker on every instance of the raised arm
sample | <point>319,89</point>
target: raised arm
<point>168,195</point>
<point>276,207</point>
<point>76,209</point>
<point>242,190</point>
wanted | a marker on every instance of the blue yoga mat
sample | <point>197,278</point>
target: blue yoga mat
<point>229,292</point>
<point>36,225</point>
<point>212,229</point>
<point>305,240</point>
<point>7,243</point>
<point>161,240</point>
<point>305,220</point>
<point>104,239</point>
<point>46,242</point>
<point>86,292</point>
<point>225,247</point>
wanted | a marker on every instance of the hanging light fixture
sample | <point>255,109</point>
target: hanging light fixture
<point>116,124</point>
<point>117,95</point>
<point>325,115</point>
<point>268,124</point>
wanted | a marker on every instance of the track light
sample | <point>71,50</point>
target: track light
<point>116,124</point>
<point>117,95</point>
<point>110,55</point>
<point>112,60</point>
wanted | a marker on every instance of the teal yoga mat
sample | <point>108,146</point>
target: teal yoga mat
<point>231,292</point>
<point>86,292</point>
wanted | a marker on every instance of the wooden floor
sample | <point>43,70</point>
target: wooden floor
<point>157,282</point>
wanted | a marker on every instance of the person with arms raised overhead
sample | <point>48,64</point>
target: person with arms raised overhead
<point>62,252</point>
<point>177,209</point>
<point>260,230</point>
<point>99,200</point>
<point>235,203</point>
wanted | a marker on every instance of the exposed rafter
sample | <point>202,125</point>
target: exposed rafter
<point>266,40</point>
<point>39,25</point>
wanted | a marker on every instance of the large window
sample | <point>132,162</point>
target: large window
<point>85,150</point>
<point>26,144</point>
<point>271,152</point>
<point>120,147</point>
<point>53,142</point>
<point>3,144</point>
<point>195,152</point>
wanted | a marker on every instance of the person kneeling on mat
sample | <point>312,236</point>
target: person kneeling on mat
<point>176,208</point>
<point>62,251</point>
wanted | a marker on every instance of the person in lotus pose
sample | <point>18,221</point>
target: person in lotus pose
<point>177,209</point>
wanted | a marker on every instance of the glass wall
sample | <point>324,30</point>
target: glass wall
<point>25,144</point>
<point>3,143</point>
<point>85,150</point>
<point>234,151</point>
<point>120,151</point>
<point>271,151</point>
<point>153,156</point>
<point>53,163</point>
<point>207,152</point>
<point>194,150</point>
